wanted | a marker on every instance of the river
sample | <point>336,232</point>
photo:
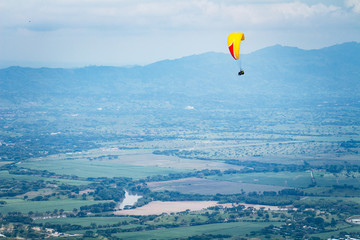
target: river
<point>129,200</point>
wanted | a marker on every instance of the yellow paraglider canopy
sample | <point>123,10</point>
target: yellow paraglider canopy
<point>234,40</point>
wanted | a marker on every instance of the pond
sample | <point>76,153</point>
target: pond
<point>129,200</point>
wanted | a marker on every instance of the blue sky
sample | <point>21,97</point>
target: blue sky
<point>74,33</point>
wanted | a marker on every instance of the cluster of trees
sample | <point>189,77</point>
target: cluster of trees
<point>13,187</point>
<point>277,200</point>
<point>13,169</point>
<point>103,188</point>
<point>208,237</point>
<point>16,217</point>
<point>299,226</point>
<point>253,166</point>
<point>105,157</point>
<point>341,208</point>
<point>181,153</point>
<point>98,208</point>
<point>110,189</point>
<point>15,224</point>
<point>174,176</point>
<point>280,198</point>
<point>39,145</point>
<point>107,193</point>
<point>22,231</point>
<point>93,226</point>
<point>350,144</point>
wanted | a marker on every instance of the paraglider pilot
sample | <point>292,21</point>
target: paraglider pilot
<point>234,40</point>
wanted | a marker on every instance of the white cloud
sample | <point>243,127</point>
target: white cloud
<point>354,4</point>
<point>159,14</point>
<point>190,108</point>
<point>119,31</point>
<point>276,14</point>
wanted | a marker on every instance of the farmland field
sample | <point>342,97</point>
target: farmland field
<point>349,228</point>
<point>157,207</point>
<point>330,179</point>
<point>95,168</point>
<point>7,175</point>
<point>238,228</point>
<point>25,206</point>
<point>2,163</point>
<point>210,186</point>
<point>86,221</point>
<point>283,179</point>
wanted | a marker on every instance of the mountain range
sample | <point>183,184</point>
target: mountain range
<point>273,71</point>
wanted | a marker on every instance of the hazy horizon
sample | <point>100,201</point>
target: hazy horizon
<point>30,64</point>
<point>82,33</point>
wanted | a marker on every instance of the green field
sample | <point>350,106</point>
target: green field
<point>234,229</point>
<point>86,221</point>
<point>335,198</point>
<point>2,163</point>
<point>25,206</point>
<point>284,179</point>
<point>86,168</point>
<point>348,229</point>
<point>211,186</point>
<point>329,179</point>
<point>7,175</point>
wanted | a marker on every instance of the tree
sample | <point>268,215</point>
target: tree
<point>333,222</point>
<point>89,234</point>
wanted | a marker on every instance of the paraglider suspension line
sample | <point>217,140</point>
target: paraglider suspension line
<point>241,71</point>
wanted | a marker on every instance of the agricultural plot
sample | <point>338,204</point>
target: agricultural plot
<point>233,229</point>
<point>159,207</point>
<point>210,186</point>
<point>270,149</point>
<point>6,175</point>
<point>2,163</point>
<point>343,199</point>
<point>113,154</point>
<point>86,221</point>
<point>324,179</point>
<point>25,206</point>
<point>349,228</point>
<point>281,179</point>
<point>171,162</point>
<point>337,192</point>
<point>95,168</point>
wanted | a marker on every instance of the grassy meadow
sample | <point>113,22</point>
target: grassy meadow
<point>86,221</point>
<point>283,179</point>
<point>236,228</point>
<point>94,168</point>
<point>211,186</point>
<point>25,206</point>
<point>6,175</point>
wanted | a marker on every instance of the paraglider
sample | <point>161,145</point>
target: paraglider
<point>234,40</point>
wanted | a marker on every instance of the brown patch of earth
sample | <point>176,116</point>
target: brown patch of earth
<point>158,207</point>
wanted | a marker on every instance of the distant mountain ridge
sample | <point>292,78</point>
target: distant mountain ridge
<point>276,70</point>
